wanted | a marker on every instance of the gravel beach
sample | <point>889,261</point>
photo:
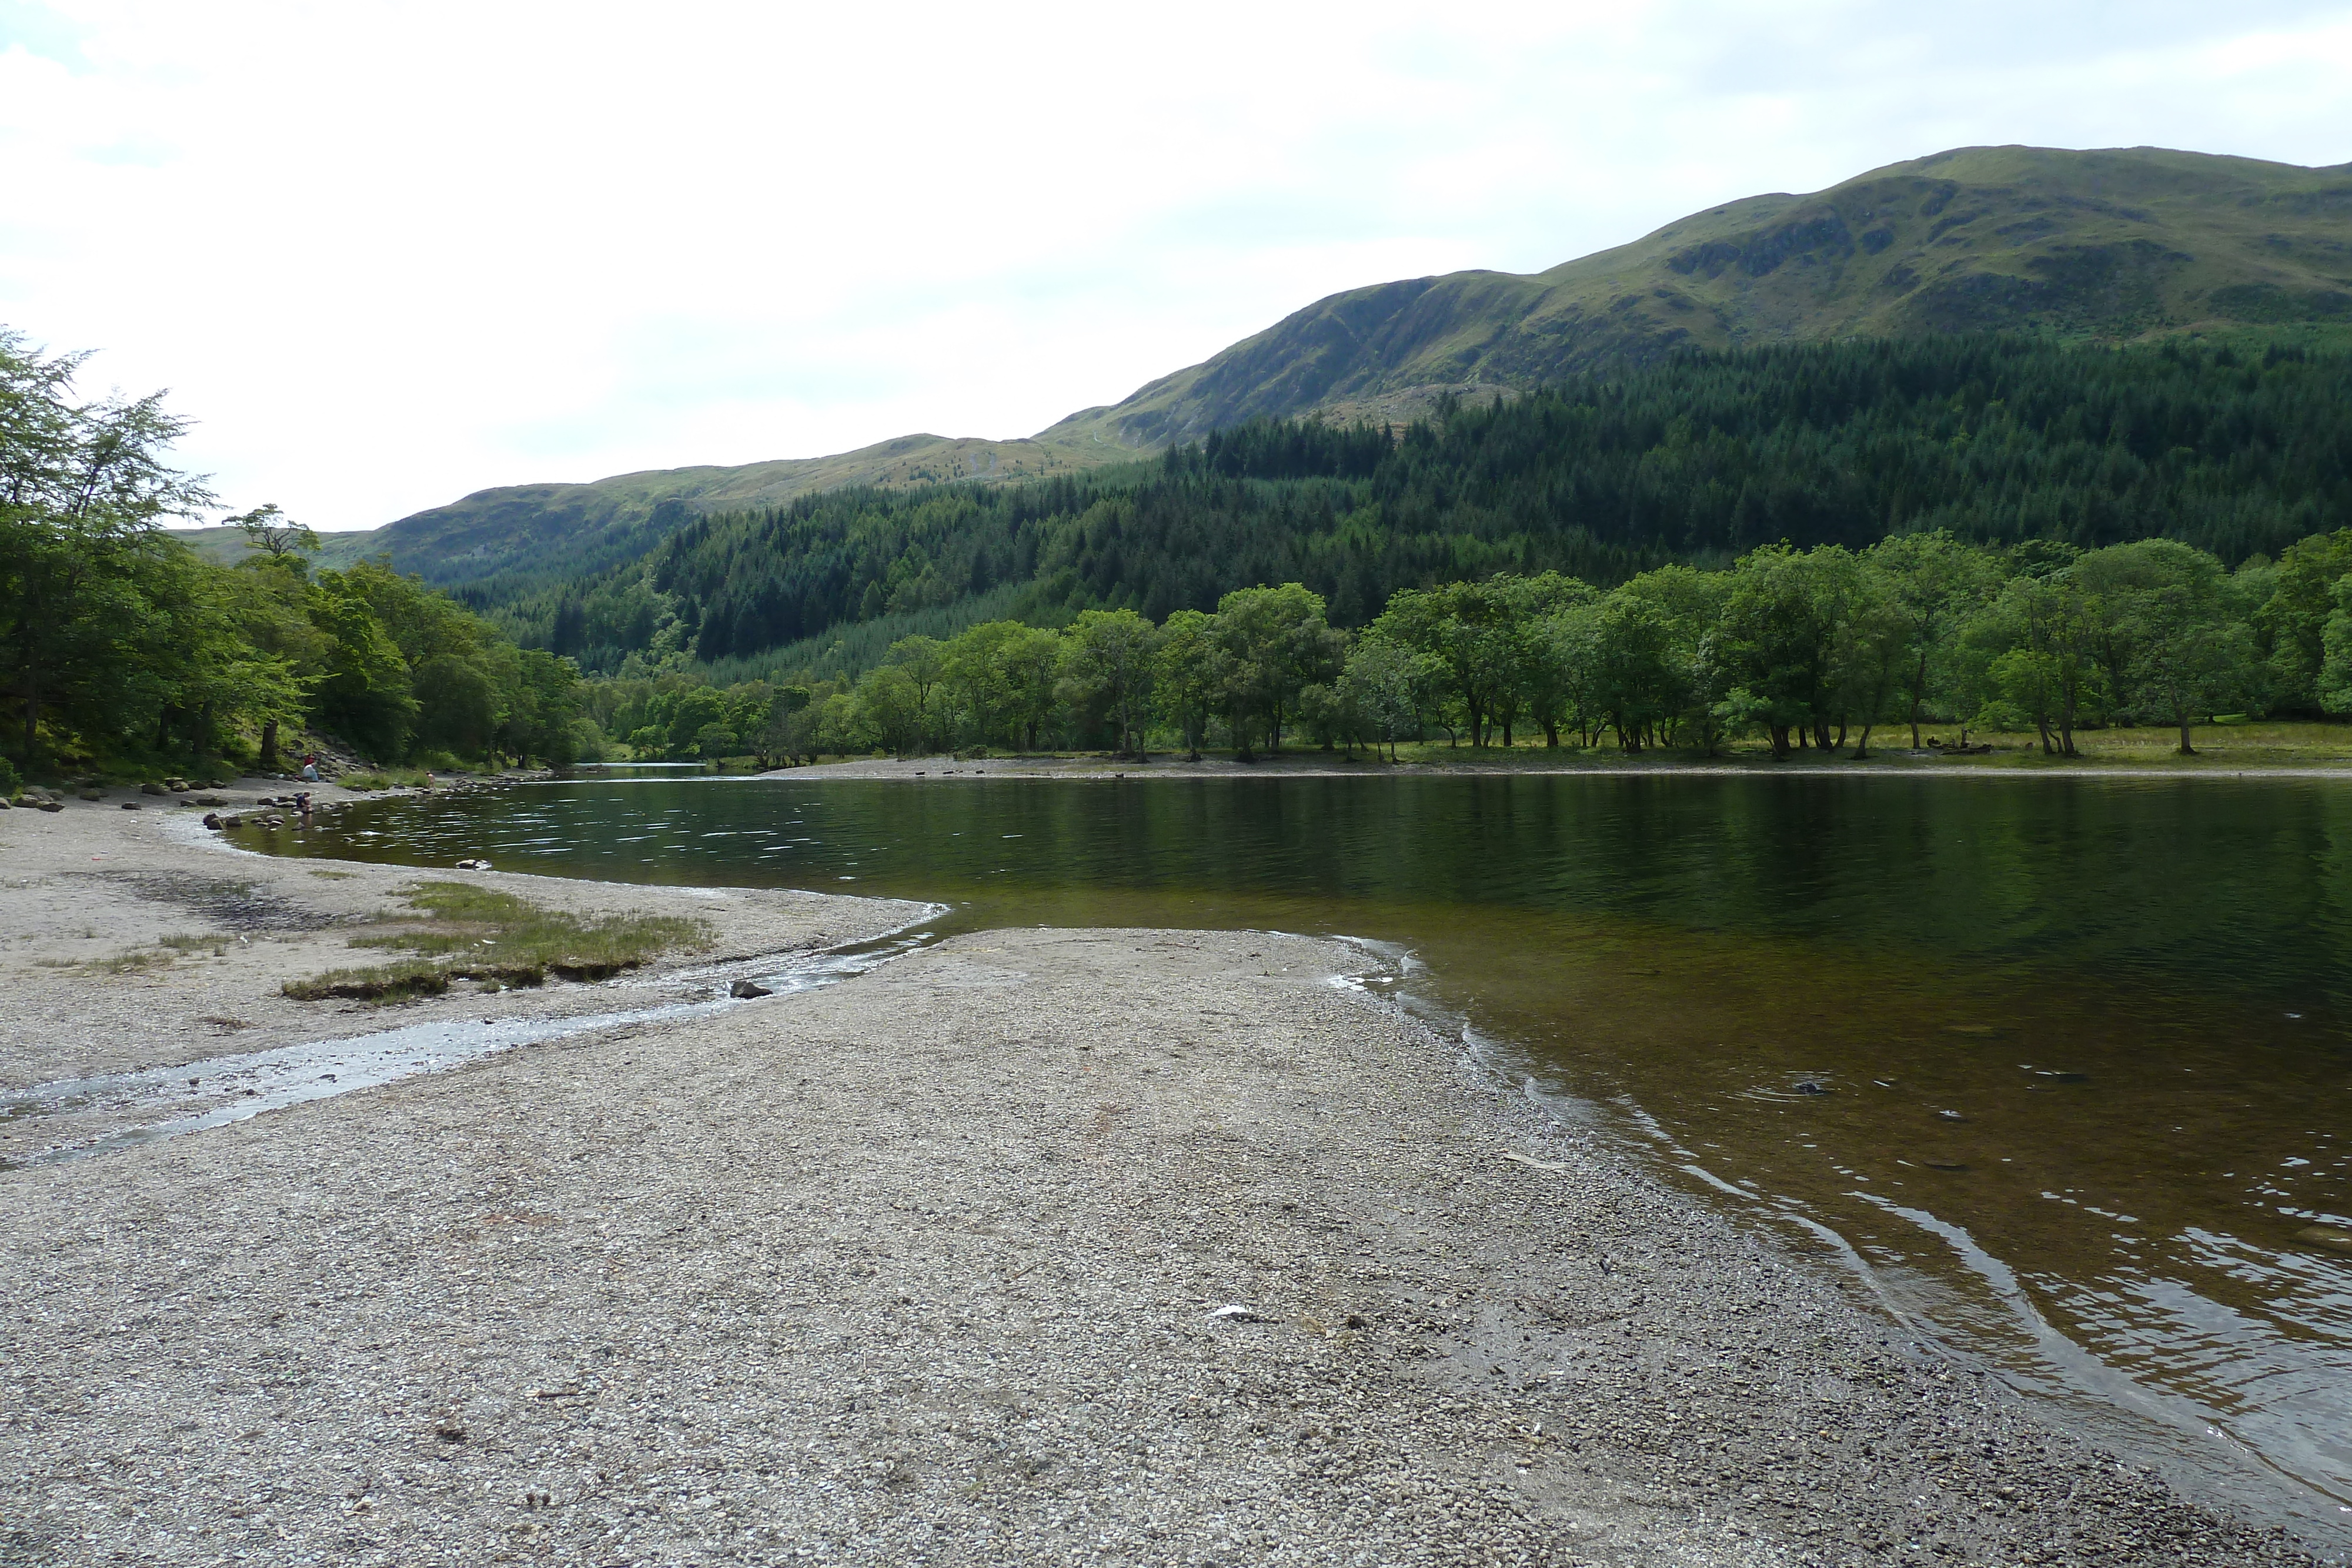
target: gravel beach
<point>1034,1246</point>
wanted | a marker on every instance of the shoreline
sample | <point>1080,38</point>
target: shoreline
<point>1310,765</point>
<point>941,1265</point>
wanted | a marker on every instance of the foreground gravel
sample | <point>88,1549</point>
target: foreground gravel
<point>1037,1246</point>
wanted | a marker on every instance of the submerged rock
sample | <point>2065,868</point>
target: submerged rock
<point>747,989</point>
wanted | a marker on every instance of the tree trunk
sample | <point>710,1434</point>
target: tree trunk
<point>269,745</point>
<point>2186,749</point>
<point>1551,733</point>
<point>1779,742</point>
<point>1862,746</point>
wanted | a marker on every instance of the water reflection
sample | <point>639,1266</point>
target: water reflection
<point>2064,1061</point>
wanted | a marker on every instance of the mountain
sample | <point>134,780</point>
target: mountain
<point>524,529</point>
<point>2111,245</point>
<point>2116,245</point>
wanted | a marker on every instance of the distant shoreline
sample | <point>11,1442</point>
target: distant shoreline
<point>1297,765</point>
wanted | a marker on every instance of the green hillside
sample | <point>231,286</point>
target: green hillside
<point>529,528</point>
<point>2103,245</point>
<point>2097,247</point>
<point>1699,458</point>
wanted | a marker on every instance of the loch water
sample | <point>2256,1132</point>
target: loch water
<point>2060,1067</point>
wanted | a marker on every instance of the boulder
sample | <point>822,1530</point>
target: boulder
<point>152,787</point>
<point>53,805</point>
<point>746,989</point>
<point>130,805</point>
<point>93,794</point>
<point>212,820</point>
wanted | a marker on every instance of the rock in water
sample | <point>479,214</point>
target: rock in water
<point>473,865</point>
<point>212,820</point>
<point>747,989</point>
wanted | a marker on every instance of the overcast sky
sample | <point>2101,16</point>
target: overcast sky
<point>388,254</point>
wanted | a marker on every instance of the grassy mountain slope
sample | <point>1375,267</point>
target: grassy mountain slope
<point>524,529</point>
<point>2106,245</point>
<point>1996,437</point>
<point>2117,245</point>
<point>227,546</point>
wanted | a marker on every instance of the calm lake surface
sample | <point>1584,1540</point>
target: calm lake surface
<point>2061,1067</point>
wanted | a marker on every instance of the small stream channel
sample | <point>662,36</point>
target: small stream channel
<point>166,1102</point>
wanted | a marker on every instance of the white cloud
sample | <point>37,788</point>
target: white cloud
<point>386,254</point>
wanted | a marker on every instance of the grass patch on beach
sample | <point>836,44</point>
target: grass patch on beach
<point>468,932</point>
<point>215,946</point>
<point>133,962</point>
<point>334,875</point>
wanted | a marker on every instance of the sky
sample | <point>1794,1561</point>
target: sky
<point>385,254</point>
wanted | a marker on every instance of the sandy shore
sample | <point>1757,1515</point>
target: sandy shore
<point>1032,1247</point>
<point>88,889</point>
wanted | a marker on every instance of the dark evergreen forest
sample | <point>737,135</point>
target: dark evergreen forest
<point>1699,460</point>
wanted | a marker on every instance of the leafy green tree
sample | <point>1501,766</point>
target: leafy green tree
<point>979,674</point>
<point>1108,661</point>
<point>922,661</point>
<point>2295,618</point>
<point>1191,677</point>
<point>363,690</point>
<point>1474,632</point>
<point>2188,651</point>
<point>894,705</point>
<point>1389,685</point>
<point>274,536</point>
<point>1778,638</point>
<point>1274,641</point>
<point>2030,658</point>
<point>1935,583</point>
<point>83,489</point>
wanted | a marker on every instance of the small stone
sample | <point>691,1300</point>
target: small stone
<point>130,805</point>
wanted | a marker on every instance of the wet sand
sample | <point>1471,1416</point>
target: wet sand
<point>1036,1246</point>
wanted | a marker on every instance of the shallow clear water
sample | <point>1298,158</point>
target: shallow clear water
<point>2064,1063</point>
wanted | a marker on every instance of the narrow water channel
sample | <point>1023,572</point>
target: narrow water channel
<point>2063,1065</point>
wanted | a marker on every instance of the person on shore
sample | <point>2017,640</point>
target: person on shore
<point>429,784</point>
<point>309,767</point>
